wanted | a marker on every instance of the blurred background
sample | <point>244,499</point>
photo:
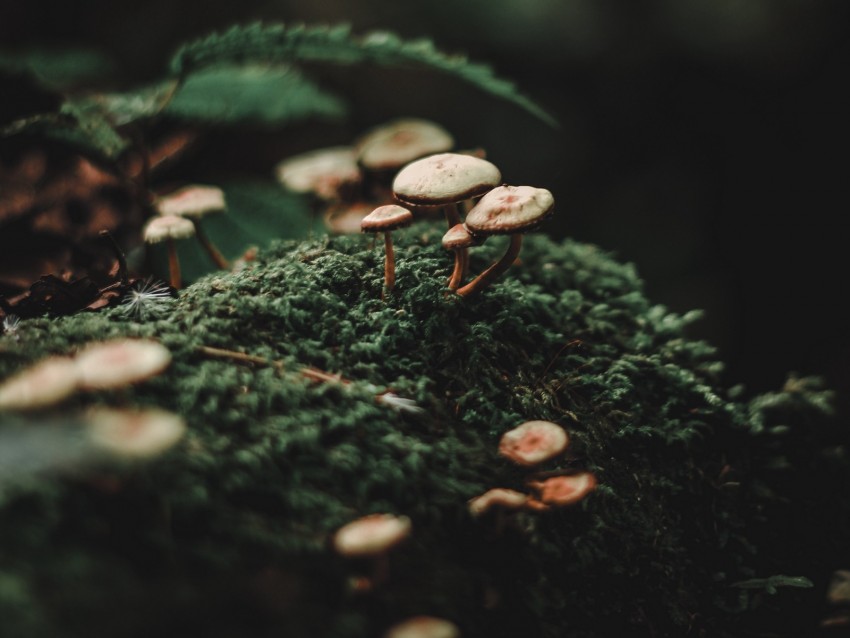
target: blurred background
<point>700,139</point>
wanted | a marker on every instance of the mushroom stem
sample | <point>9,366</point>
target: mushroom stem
<point>461,254</point>
<point>457,273</point>
<point>389,262</point>
<point>212,251</point>
<point>173,264</point>
<point>484,279</point>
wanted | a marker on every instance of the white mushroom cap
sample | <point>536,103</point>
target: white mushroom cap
<point>168,227</point>
<point>371,535</point>
<point>42,385</point>
<point>497,497</point>
<point>386,218</point>
<point>135,433</point>
<point>344,219</point>
<point>559,491</point>
<point>322,171</point>
<point>459,237</point>
<point>424,627</point>
<point>533,442</point>
<point>192,201</point>
<point>510,209</point>
<point>444,178</point>
<point>396,143</point>
<point>113,364</point>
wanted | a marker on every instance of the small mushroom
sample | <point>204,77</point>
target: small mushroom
<point>329,173</point>
<point>386,219</point>
<point>560,491</point>
<point>134,433</point>
<point>424,627</point>
<point>193,203</point>
<point>167,228</point>
<point>344,218</point>
<point>458,238</point>
<point>120,362</point>
<point>47,382</point>
<point>506,210</point>
<point>497,498</point>
<point>372,537</point>
<point>534,442</point>
<point>390,146</point>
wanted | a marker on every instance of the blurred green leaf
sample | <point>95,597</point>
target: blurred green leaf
<point>772,583</point>
<point>59,69</point>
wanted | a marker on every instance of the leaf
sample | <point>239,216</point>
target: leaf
<point>265,93</point>
<point>124,108</point>
<point>771,583</point>
<point>59,69</point>
<point>281,44</point>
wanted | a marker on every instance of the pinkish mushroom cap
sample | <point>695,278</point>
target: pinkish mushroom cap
<point>113,364</point>
<point>497,498</point>
<point>386,218</point>
<point>323,172</point>
<point>344,219</point>
<point>510,209</point>
<point>391,146</point>
<point>135,433</point>
<point>424,627</point>
<point>47,382</point>
<point>168,227</point>
<point>534,442</point>
<point>559,491</point>
<point>443,179</point>
<point>459,237</point>
<point>371,535</point>
<point>192,201</point>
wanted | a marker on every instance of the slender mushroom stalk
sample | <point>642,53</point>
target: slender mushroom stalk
<point>506,210</point>
<point>386,219</point>
<point>193,203</point>
<point>167,228</point>
<point>458,239</point>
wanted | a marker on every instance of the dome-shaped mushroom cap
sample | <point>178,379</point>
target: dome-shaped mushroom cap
<point>510,209</point>
<point>458,237</point>
<point>385,218</point>
<point>344,218</point>
<point>168,227</point>
<point>444,178</point>
<point>533,442</point>
<point>371,535</point>
<point>42,385</point>
<point>135,433</point>
<point>424,627</point>
<point>192,201</point>
<point>559,491</point>
<point>396,143</point>
<point>113,364</point>
<point>497,497</point>
<point>322,171</point>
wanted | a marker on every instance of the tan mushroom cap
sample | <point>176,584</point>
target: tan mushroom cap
<point>497,497</point>
<point>399,142</point>
<point>113,364</point>
<point>168,227</point>
<point>135,433</point>
<point>559,491</point>
<point>459,237</point>
<point>192,201</point>
<point>533,442</point>
<point>424,627</point>
<point>510,209</point>
<point>344,219</point>
<point>371,535</point>
<point>444,179</point>
<point>322,172</point>
<point>386,218</point>
<point>40,386</point>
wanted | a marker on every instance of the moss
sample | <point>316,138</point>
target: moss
<point>228,533</point>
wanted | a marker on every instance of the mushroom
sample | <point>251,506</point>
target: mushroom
<point>372,537</point>
<point>328,173</point>
<point>445,180</point>
<point>533,442</point>
<point>134,433</point>
<point>168,228</point>
<point>500,498</point>
<point>386,219</point>
<point>560,491</point>
<point>458,238</point>
<point>120,362</point>
<point>424,627</point>
<point>40,386</point>
<point>506,210</point>
<point>345,218</point>
<point>194,202</point>
<point>388,147</point>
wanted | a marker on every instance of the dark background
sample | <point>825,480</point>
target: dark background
<point>700,139</point>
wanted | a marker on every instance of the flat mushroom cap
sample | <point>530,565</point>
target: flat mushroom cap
<point>344,219</point>
<point>510,209</point>
<point>114,364</point>
<point>42,385</point>
<point>168,227</point>
<point>497,497</point>
<point>321,172</point>
<point>444,179</point>
<point>533,442</point>
<point>135,433</point>
<point>371,535</point>
<point>459,237</point>
<point>565,490</point>
<point>396,143</point>
<point>192,201</point>
<point>386,218</point>
<point>423,627</point>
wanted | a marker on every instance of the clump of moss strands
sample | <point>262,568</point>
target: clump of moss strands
<point>713,515</point>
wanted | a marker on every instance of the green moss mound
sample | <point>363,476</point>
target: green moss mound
<point>709,517</point>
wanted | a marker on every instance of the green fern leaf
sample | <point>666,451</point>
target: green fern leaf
<point>269,94</point>
<point>337,45</point>
<point>59,69</point>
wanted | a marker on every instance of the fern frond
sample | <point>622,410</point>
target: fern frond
<point>337,45</point>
